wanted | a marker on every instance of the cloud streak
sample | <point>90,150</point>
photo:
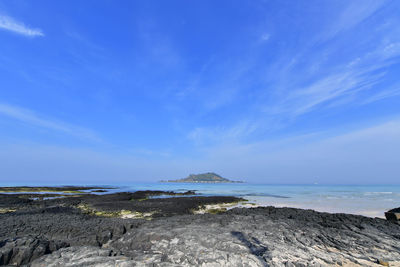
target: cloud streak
<point>330,88</point>
<point>340,82</point>
<point>9,24</point>
<point>29,117</point>
<point>355,13</point>
<point>322,73</point>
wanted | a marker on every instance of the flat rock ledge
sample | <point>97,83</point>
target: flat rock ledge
<point>239,237</point>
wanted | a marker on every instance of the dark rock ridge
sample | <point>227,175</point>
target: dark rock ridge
<point>34,228</point>
<point>21,251</point>
<point>72,189</point>
<point>396,210</point>
<point>208,177</point>
<point>58,233</point>
<point>139,201</point>
<point>393,215</point>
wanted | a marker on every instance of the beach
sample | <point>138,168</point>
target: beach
<point>184,228</point>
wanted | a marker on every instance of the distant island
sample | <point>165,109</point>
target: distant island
<point>208,177</point>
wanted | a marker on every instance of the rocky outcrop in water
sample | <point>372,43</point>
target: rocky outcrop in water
<point>208,177</point>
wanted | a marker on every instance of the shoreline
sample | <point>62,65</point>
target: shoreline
<point>338,206</point>
<point>369,205</point>
<point>187,229</point>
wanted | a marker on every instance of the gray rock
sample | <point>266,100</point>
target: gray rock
<point>82,257</point>
<point>240,237</point>
<point>21,251</point>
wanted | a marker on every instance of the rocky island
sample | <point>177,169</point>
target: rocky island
<point>209,177</point>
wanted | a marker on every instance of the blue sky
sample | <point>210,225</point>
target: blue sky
<point>264,91</point>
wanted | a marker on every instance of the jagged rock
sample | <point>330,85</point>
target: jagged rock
<point>21,251</point>
<point>265,236</point>
<point>81,257</point>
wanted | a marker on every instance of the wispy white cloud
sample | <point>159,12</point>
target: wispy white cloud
<point>382,95</point>
<point>9,24</point>
<point>32,118</point>
<point>355,13</point>
<point>343,84</point>
<point>316,78</point>
<point>322,73</point>
<point>327,89</point>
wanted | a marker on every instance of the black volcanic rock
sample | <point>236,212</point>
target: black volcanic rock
<point>58,233</point>
<point>397,210</point>
<point>20,251</point>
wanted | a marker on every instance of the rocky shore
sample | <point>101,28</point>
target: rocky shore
<point>142,229</point>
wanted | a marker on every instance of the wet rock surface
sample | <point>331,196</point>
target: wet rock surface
<point>58,233</point>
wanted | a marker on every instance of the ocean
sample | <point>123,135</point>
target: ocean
<point>367,200</point>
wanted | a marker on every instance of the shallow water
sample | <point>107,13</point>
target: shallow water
<point>368,200</point>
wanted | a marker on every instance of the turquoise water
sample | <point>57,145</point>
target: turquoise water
<point>371,200</point>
